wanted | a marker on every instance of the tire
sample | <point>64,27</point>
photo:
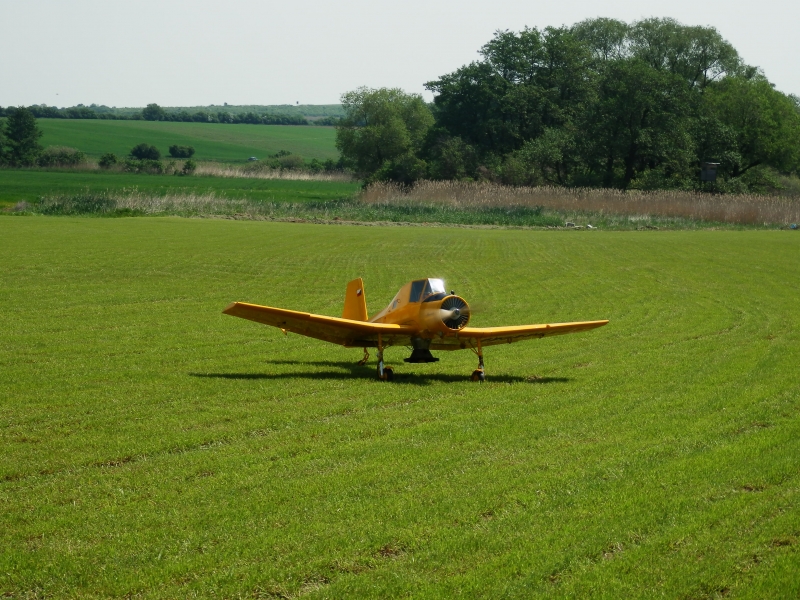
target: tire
<point>388,374</point>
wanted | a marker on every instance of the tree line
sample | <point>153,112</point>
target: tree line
<point>19,147</point>
<point>602,103</point>
<point>154,112</point>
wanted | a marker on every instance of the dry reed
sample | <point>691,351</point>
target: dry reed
<point>250,172</point>
<point>199,204</point>
<point>745,209</point>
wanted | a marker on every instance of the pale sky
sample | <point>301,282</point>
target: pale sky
<point>200,52</point>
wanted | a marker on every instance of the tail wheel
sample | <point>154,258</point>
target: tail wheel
<point>478,375</point>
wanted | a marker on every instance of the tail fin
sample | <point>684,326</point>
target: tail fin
<point>355,301</point>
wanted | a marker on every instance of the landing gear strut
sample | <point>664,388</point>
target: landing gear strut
<point>479,374</point>
<point>384,373</point>
<point>364,360</point>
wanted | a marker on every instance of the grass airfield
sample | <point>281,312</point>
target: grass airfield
<point>153,447</point>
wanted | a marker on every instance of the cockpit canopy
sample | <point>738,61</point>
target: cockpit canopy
<point>427,290</point>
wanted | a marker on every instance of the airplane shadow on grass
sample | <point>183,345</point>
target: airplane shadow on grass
<point>350,370</point>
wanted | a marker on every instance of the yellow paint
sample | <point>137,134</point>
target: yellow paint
<point>355,301</point>
<point>403,320</point>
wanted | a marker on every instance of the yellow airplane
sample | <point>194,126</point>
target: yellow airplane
<point>422,315</point>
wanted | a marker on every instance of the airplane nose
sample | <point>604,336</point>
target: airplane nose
<point>454,312</point>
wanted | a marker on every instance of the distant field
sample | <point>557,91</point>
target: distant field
<point>155,448</point>
<point>212,141</point>
<point>18,185</point>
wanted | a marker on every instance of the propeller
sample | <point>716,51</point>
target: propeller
<point>454,312</point>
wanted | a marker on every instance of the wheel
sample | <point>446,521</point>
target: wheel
<point>388,374</point>
<point>478,375</point>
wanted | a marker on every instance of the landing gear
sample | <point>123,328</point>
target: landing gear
<point>479,374</point>
<point>364,360</point>
<point>384,373</point>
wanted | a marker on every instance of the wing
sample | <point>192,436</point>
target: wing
<point>490,336</point>
<point>345,332</point>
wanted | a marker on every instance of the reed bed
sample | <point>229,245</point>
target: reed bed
<point>142,203</point>
<point>258,172</point>
<point>740,209</point>
<point>211,169</point>
<point>450,204</point>
<point>132,202</point>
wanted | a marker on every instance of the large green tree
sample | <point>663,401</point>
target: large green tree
<point>382,133</point>
<point>599,103</point>
<point>639,122</point>
<point>153,112</point>
<point>22,138</point>
<point>527,82</point>
<point>759,125</point>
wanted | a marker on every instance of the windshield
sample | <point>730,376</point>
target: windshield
<point>433,286</point>
<point>424,288</point>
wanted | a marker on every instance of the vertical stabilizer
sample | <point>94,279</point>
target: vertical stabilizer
<point>355,301</point>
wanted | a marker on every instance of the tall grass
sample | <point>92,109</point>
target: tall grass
<point>258,172</point>
<point>210,169</point>
<point>740,209</point>
<point>130,202</point>
<point>450,204</point>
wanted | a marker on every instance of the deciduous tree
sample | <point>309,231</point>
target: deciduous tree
<point>153,112</point>
<point>22,138</point>
<point>382,133</point>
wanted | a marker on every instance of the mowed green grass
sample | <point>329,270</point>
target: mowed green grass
<point>212,141</point>
<point>19,185</point>
<point>153,447</point>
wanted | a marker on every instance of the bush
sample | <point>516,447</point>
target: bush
<point>144,166</point>
<point>60,156</point>
<point>176,151</point>
<point>81,204</point>
<point>189,167</point>
<point>145,152</point>
<point>109,159</point>
<point>291,162</point>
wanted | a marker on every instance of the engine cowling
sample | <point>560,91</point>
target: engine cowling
<point>443,316</point>
<point>454,312</point>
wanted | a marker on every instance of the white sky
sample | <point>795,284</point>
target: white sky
<point>200,52</point>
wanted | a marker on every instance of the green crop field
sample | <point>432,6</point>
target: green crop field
<point>212,141</point>
<point>153,447</point>
<point>19,185</point>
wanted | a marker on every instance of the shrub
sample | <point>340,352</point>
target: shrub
<point>60,156</point>
<point>145,152</point>
<point>144,166</point>
<point>80,204</point>
<point>291,162</point>
<point>189,167</point>
<point>109,159</point>
<point>176,151</point>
